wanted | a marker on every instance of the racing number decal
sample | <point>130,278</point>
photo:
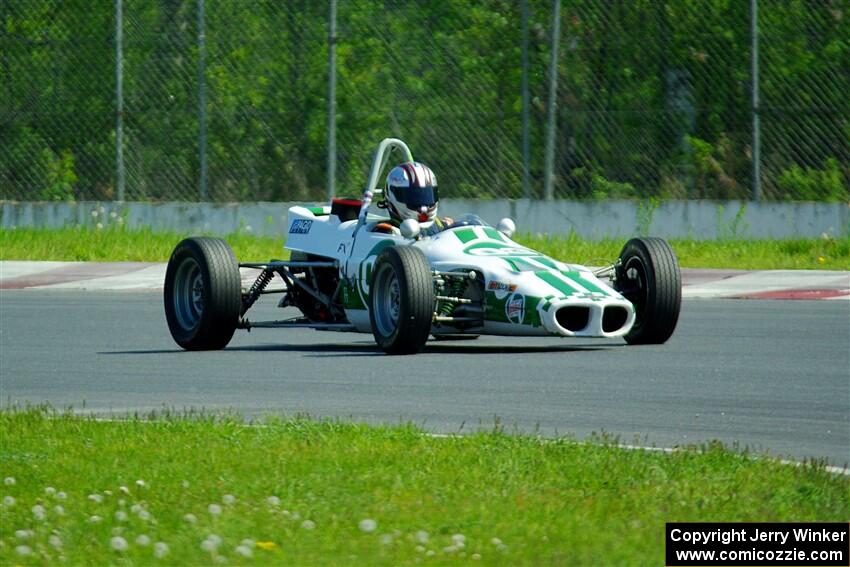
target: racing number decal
<point>364,276</point>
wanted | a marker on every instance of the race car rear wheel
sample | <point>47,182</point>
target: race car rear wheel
<point>648,276</point>
<point>202,294</point>
<point>402,300</point>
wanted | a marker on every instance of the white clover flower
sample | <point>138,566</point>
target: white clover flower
<point>38,512</point>
<point>419,549</point>
<point>140,483</point>
<point>120,220</point>
<point>24,534</point>
<point>8,500</point>
<point>185,484</point>
<point>143,540</point>
<point>99,225</point>
<point>113,214</point>
<point>248,541</point>
<point>421,536</point>
<point>295,516</point>
<point>102,209</point>
<point>496,541</point>
<point>273,501</point>
<point>476,556</point>
<point>122,502</point>
<point>96,498</point>
<point>118,543</point>
<point>121,516</point>
<point>449,549</point>
<point>191,518</point>
<point>49,490</point>
<point>244,551</point>
<point>430,553</point>
<point>214,509</point>
<point>160,549</point>
<point>107,492</point>
<point>94,213</point>
<point>285,512</point>
<point>23,550</point>
<point>308,525</point>
<point>61,496</point>
<point>385,539</point>
<point>248,228</point>
<point>95,519</point>
<point>59,510</point>
<point>228,499</point>
<point>124,489</point>
<point>136,508</point>
<point>144,515</point>
<point>55,541</point>
<point>459,540</point>
<point>368,525</point>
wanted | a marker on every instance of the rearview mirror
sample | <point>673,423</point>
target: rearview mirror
<point>410,228</point>
<point>506,226</point>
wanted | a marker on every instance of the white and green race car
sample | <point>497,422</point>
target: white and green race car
<point>349,270</point>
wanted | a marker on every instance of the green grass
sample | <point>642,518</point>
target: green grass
<point>119,245</point>
<point>509,499</point>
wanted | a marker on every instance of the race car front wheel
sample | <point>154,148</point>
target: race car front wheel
<point>202,294</point>
<point>402,300</point>
<point>648,276</point>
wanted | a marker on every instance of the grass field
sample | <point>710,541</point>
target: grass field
<point>116,244</point>
<point>203,490</point>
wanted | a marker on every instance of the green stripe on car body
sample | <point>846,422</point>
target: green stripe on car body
<point>494,234</point>
<point>563,287</point>
<point>466,235</point>
<point>583,281</point>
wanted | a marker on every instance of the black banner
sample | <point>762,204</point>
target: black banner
<point>693,544</point>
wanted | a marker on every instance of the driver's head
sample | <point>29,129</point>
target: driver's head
<point>411,192</point>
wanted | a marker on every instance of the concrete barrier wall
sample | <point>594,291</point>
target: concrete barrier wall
<point>701,220</point>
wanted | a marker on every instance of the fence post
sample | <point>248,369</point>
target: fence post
<point>119,98</point>
<point>202,100</point>
<point>332,100</point>
<point>553,87</point>
<point>754,77</point>
<point>526,182</point>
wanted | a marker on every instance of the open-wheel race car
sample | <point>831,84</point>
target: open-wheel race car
<point>351,270</point>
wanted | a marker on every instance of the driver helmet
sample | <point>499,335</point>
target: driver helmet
<point>411,192</point>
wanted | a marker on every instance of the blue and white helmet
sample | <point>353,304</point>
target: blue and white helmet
<point>411,192</point>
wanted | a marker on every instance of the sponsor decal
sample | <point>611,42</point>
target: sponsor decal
<point>300,226</point>
<point>515,308</point>
<point>341,248</point>
<point>501,289</point>
<point>501,286</point>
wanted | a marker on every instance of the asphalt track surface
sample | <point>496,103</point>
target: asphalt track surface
<point>767,375</point>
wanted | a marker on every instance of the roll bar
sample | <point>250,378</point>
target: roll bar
<point>379,161</point>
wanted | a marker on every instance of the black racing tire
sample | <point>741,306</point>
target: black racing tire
<point>401,300</point>
<point>203,293</point>
<point>648,276</point>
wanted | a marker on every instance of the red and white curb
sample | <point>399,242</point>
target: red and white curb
<point>697,283</point>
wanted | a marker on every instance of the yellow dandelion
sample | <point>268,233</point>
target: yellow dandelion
<point>267,545</point>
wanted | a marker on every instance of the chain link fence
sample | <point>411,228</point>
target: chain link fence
<point>228,100</point>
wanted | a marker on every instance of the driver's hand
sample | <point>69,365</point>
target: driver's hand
<point>448,220</point>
